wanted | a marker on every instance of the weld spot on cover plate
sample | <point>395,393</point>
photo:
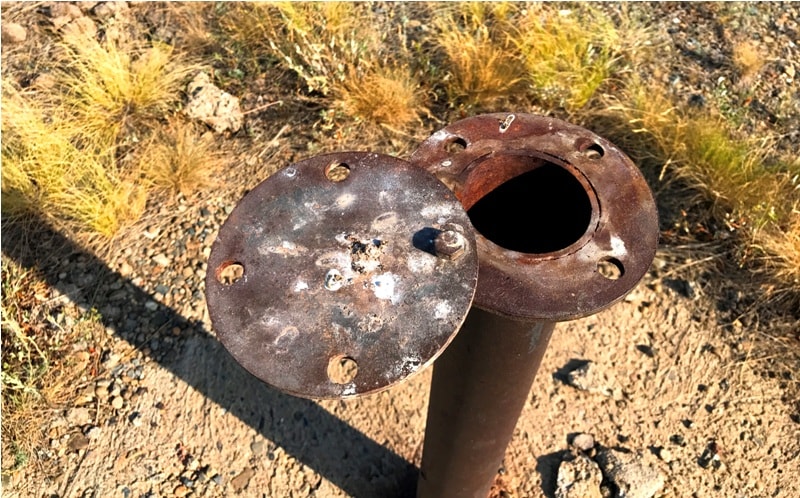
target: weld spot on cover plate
<point>341,293</point>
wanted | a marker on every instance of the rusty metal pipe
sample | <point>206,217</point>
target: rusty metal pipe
<point>479,387</point>
<point>346,273</point>
<point>565,226</point>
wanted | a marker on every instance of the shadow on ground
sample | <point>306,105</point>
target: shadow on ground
<point>302,428</point>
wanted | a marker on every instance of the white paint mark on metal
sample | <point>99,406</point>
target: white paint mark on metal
<point>421,262</point>
<point>385,222</point>
<point>287,248</point>
<point>384,286</point>
<point>345,200</point>
<point>618,246</point>
<point>442,310</point>
<point>439,211</point>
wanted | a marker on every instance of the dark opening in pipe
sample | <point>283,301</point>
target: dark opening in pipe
<point>544,210</point>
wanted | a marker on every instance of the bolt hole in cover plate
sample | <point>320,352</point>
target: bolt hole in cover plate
<point>565,223</point>
<point>325,281</point>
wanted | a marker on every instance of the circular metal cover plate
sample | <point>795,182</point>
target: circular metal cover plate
<point>477,155</point>
<point>325,281</point>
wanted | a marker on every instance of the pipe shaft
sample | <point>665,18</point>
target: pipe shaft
<point>479,387</point>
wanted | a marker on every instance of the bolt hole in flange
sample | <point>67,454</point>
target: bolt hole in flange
<point>455,145</point>
<point>594,151</point>
<point>544,210</point>
<point>342,369</point>
<point>611,268</point>
<point>337,172</point>
<point>229,273</point>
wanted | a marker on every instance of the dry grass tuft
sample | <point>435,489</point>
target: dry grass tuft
<point>779,242</point>
<point>389,97</point>
<point>179,159</point>
<point>322,42</point>
<point>45,171</point>
<point>567,55</point>
<point>40,368</point>
<point>114,91</point>
<point>63,152</point>
<point>338,51</point>
<point>482,69</point>
<point>746,192</point>
<point>747,60</point>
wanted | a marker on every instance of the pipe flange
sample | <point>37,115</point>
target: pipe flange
<point>342,275</point>
<point>565,223</point>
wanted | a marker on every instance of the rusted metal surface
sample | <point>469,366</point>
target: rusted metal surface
<point>565,223</point>
<point>328,279</point>
<point>565,226</point>
<point>479,387</point>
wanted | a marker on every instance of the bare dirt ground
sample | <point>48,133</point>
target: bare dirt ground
<point>662,377</point>
<point>666,384</point>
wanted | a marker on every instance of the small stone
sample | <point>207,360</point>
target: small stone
<point>62,13</point>
<point>81,27</point>
<point>592,378</point>
<point>665,455</point>
<point>161,259</point>
<point>151,305</point>
<point>579,477</point>
<point>125,269</point>
<point>242,480</point>
<point>181,491</point>
<point>78,416</point>
<point>94,433</point>
<point>78,442</point>
<point>135,419</point>
<point>117,402</point>
<point>214,107</point>
<point>118,295</point>
<point>188,272</point>
<point>13,33</point>
<point>106,10</point>
<point>629,472</point>
<point>217,479</point>
<point>583,442</point>
<point>257,447</point>
<point>82,357</point>
<point>111,361</point>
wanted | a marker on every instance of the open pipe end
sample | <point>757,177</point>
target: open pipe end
<point>566,224</point>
